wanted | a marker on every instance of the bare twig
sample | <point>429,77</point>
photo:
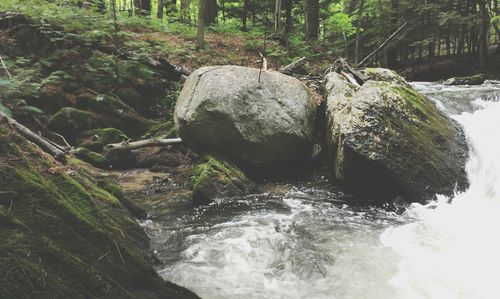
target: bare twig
<point>288,69</point>
<point>125,145</point>
<point>43,143</point>
<point>120,253</point>
<point>43,278</point>
<point>104,255</point>
<point>5,67</point>
<point>26,275</point>
<point>382,45</point>
<point>8,271</point>
<point>62,138</point>
<point>264,61</point>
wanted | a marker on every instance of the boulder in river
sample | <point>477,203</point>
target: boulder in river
<point>256,124</point>
<point>386,140</point>
<point>472,80</point>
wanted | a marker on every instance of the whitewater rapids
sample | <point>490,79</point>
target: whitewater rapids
<point>309,242</point>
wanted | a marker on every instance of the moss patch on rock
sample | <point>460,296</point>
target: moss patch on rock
<point>215,178</point>
<point>65,237</point>
<point>96,139</point>
<point>93,158</point>
<point>385,140</point>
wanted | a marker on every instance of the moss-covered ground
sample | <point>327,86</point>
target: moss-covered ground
<point>63,236</point>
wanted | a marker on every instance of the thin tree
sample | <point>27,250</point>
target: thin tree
<point>161,6</point>
<point>483,34</point>
<point>211,11</point>
<point>185,16</point>
<point>358,30</point>
<point>311,11</point>
<point>244,15</point>
<point>201,24</point>
<point>288,16</point>
<point>277,15</point>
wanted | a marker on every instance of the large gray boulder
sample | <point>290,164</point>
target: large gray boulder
<point>258,125</point>
<point>386,140</point>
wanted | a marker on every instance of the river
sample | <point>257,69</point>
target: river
<point>311,240</point>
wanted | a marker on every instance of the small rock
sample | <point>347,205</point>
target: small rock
<point>472,80</point>
<point>214,178</point>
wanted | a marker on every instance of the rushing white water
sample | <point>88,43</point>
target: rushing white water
<point>309,243</point>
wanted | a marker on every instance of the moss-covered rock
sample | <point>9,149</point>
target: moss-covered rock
<point>386,140</point>
<point>95,140</point>
<point>65,237</point>
<point>119,115</point>
<point>121,159</point>
<point>93,158</point>
<point>214,178</point>
<point>71,121</point>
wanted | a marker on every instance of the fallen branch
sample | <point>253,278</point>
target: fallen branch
<point>44,144</point>
<point>342,67</point>
<point>350,78</point>
<point>382,45</point>
<point>288,69</point>
<point>125,145</point>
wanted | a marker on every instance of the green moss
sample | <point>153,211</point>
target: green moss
<point>96,139</point>
<point>63,236</point>
<point>214,178</point>
<point>92,158</point>
<point>163,130</point>
<point>425,128</point>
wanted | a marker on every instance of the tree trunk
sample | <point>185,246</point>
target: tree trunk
<point>483,35</point>
<point>143,7</point>
<point>288,16</point>
<point>161,6</point>
<point>277,15</point>
<point>201,24</point>
<point>244,15</point>
<point>358,30</point>
<point>211,10</point>
<point>311,11</point>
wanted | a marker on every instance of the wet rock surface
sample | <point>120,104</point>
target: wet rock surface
<point>386,140</point>
<point>256,124</point>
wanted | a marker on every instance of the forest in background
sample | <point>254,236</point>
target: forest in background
<point>351,28</point>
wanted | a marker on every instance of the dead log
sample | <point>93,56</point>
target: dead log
<point>125,145</point>
<point>288,69</point>
<point>382,45</point>
<point>170,71</point>
<point>342,67</point>
<point>41,142</point>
